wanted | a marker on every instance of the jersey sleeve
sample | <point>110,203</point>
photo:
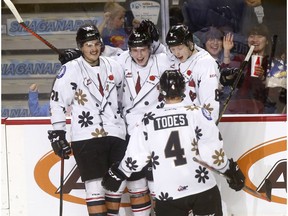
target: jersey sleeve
<point>62,95</point>
<point>208,89</point>
<point>137,154</point>
<point>209,139</point>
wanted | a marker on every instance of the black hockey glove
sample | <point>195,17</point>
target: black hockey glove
<point>59,143</point>
<point>237,179</point>
<point>113,178</point>
<point>228,77</point>
<point>68,55</point>
<point>149,26</point>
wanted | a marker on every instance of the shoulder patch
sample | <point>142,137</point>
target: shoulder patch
<point>206,114</point>
<point>61,72</point>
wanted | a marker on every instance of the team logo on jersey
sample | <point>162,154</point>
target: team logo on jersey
<point>61,72</point>
<point>206,113</point>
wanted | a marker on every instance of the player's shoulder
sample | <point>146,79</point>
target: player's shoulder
<point>198,112</point>
<point>70,68</point>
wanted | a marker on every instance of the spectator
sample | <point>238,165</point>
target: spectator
<point>33,102</point>
<point>219,45</point>
<point>251,97</point>
<point>271,13</point>
<point>92,85</point>
<point>181,184</point>
<point>112,28</point>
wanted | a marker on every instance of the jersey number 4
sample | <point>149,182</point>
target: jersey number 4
<point>173,149</point>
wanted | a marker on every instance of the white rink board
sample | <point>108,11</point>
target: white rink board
<point>34,171</point>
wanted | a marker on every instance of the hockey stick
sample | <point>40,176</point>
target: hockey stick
<point>233,87</point>
<point>12,8</point>
<point>61,185</point>
<point>268,185</point>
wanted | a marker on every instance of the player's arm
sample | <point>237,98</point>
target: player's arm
<point>210,146</point>
<point>136,157</point>
<point>208,89</point>
<point>61,97</point>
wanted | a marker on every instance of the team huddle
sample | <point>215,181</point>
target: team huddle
<point>139,117</point>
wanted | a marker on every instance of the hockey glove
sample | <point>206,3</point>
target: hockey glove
<point>228,77</point>
<point>59,143</point>
<point>148,26</point>
<point>113,178</point>
<point>68,55</point>
<point>237,179</point>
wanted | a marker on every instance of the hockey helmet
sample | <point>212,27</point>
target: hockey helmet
<point>139,39</point>
<point>172,84</point>
<point>178,34</point>
<point>86,33</point>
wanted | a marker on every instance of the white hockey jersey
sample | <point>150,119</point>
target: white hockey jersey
<point>135,105</point>
<point>171,136</point>
<point>202,75</point>
<point>93,115</point>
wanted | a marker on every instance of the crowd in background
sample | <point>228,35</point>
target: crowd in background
<point>223,29</point>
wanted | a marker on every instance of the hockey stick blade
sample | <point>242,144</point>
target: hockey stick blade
<point>13,9</point>
<point>250,190</point>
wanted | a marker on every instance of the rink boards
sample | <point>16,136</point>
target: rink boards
<point>31,172</point>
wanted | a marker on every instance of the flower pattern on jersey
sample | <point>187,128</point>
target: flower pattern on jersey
<point>198,132</point>
<point>80,97</point>
<point>202,174</point>
<point>147,117</point>
<point>192,107</point>
<point>153,159</point>
<point>131,164</point>
<point>99,133</point>
<point>219,157</point>
<point>208,107</point>
<point>85,119</point>
<point>195,146</point>
<point>165,196</point>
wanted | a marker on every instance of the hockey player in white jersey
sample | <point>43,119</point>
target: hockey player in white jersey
<point>142,71</point>
<point>92,85</point>
<point>171,136</point>
<point>199,68</point>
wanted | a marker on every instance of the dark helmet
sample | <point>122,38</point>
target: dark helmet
<point>139,39</point>
<point>172,84</point>
<point>177,35</point>
<point>86,33</point>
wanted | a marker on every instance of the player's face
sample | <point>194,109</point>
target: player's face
<point>181,52</point>
<point>91,51</point>
<point>259,41</point>
<point>140,55</point>
<point>214,46</point>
